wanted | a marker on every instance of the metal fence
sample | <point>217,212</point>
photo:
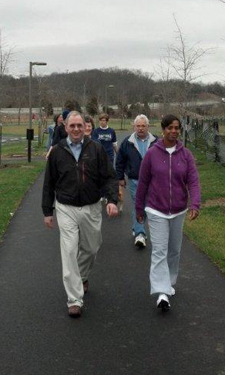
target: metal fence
<point>0,144</point>
<point>205,135</point>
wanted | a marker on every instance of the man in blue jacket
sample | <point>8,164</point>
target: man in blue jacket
<point>129,158</point>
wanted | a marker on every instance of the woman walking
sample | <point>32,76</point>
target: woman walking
<point>167,179</point>
<point>58,119</point>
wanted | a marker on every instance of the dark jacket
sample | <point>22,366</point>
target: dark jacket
<point>166,180</point>
<point>129,159</point>
<point>59,134</point>
<point>78,183</point>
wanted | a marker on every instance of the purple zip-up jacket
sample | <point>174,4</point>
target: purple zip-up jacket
<point>166,181</point>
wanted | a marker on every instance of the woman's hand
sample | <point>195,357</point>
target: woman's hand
<point>140,218</point>
<point>193,214</point>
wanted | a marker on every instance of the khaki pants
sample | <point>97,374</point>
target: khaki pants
<point>80,240</point>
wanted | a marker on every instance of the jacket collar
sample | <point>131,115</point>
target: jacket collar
<point>160,144</point>
<point>63,143</point>
<point>132,139</point>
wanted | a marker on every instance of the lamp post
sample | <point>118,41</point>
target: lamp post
<point>106,95</point>
<point>30,131</point>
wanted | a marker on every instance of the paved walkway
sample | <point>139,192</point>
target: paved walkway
<point>121,332</point>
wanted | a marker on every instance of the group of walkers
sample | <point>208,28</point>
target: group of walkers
<point>81,170</point>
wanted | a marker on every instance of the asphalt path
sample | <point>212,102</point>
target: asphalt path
<point>120,331</point>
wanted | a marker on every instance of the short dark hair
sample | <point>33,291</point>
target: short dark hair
<point>104,115</point>
<point>168,119</point>
<point>89,119</point>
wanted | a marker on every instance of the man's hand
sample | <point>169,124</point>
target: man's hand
<point>111,210</point>
<point>193,214</point>
<point>122,183</point>
<point>48,220</point>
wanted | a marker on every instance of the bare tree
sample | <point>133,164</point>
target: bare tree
<point>179,68</point>
<point>164,86</point>
<point>6,55</point>
<point>185,60</point>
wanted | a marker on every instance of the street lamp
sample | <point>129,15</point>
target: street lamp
<point>30,131</point>
<point>106,95</point>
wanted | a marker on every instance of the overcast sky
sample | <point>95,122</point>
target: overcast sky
<point>72,35</point>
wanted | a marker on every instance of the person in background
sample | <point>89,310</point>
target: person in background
<point>59,132</point>
<point>89,125</point>
<point>77,169</point>
<point>58,119</point>
<point>106,136</point>
<point>130,155</point>
<point>168,178</point>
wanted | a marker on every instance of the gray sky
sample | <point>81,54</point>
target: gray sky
<point>72,35</point>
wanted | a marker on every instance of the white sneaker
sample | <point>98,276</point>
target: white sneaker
<point>133,233</point>
<point>140,241</point>
<point>163,302</point>
<point>173,291</point>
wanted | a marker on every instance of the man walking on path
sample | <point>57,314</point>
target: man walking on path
<point>129,158</point>
<point>76,171</point>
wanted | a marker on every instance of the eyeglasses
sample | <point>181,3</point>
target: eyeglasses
<point>74,126</point>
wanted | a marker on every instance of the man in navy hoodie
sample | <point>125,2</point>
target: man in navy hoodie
<point>129,158</point>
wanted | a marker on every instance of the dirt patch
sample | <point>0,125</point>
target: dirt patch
<point>214,202</point>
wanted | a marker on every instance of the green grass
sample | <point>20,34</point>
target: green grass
<point>15,130</point>
<point>18,130</point>
<point>20,148</point>
<point>207,231</point>
<point>15,180</point>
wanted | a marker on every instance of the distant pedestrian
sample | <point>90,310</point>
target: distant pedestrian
<point>106,136</point>
<point>129,158</point>
<point>77,169</point>
<point>59,132</point>
<point>168,178</point>
<point>58,119</point>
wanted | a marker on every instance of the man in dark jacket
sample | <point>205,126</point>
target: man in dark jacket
<point>129,158</point>
<point>76,171</point>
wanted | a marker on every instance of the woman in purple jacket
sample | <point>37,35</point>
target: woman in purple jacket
<point>168,178</point>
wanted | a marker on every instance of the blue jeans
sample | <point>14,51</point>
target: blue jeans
<point>136,227</point>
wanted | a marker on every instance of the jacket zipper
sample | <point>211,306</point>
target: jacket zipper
<point>170,173</point>
<point>83,175</point>
<point>78,177</point>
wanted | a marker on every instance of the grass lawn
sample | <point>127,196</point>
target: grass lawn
<point>208,231</point>
<point>20,148</point>
<point>17,130</point>
<point>15,180</point>
<point>20,130</point>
